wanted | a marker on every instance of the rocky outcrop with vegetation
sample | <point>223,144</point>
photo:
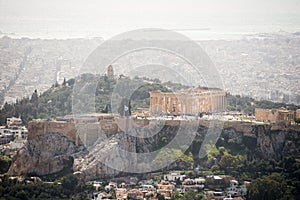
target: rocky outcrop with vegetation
<point>237,149</point>
<point>45,154</point>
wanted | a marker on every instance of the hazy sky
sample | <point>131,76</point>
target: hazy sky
<point>111,15</point>
<point>80,8</point>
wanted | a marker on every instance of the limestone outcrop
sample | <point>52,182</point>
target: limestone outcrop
<point>106,158</point>
<point>52,152</point>
<point>45,154</point>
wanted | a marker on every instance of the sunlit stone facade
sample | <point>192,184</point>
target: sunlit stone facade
<point>191,101</point>
<point>274,115</point>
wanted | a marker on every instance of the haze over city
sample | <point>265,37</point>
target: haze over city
<point>214,19</point>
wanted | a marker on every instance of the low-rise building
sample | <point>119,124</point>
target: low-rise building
<point>190,185</point>
<point>174,176</point>
<point>165,185</point>
<point>274,115</point>
<point>121,193</point>
<point>111,185</point>
<point>135,194</point>
<point>298,114</point>
<point>13,121</point>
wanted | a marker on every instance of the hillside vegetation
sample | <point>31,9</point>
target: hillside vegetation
<point>57,100</point>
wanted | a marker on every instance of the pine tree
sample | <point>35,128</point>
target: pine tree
<point>56,84</point>
<point>64,82</point>
<point>35,103</point>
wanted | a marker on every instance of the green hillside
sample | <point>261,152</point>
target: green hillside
<point>247,105</point>
<point>57,100</point>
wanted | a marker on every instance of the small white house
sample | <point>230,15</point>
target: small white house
<point>174,177</point>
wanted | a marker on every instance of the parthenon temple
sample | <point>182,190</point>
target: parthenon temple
<point>191,101</point>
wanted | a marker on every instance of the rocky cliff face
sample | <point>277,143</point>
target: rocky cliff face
<point>257,142</point>
<point>45,154</point>
<point>110,150</point>
<point>52,152</point>
<point>276,142</point>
